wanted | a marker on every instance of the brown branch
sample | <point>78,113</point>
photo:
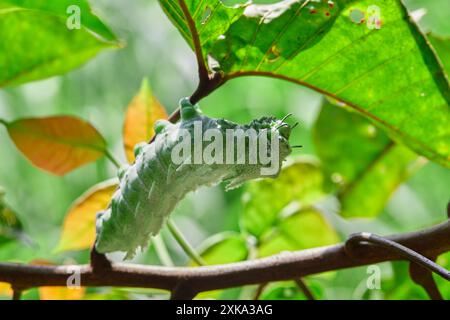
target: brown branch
<point>183,291</point>
<point>424,278</point>
<point>99,262</point>
<point>359,239</point>
<point>284,266</point>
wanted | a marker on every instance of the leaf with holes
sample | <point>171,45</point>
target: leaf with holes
<point>141,116</point>
<point>57,144</point>
<point>367,54</point>
<point>365,165</point>
<point>36,41</point>
<point>79,225</point>
<point>299,184</point>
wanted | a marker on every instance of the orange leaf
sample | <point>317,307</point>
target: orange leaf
<point>5,289</point>
<point>143,111</point>
<point>79,225</point>
<point>57,144</point>
<point>57,293</point>
<point>61,293</point>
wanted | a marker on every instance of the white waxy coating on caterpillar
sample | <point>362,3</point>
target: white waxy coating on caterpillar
<point>150,189</point>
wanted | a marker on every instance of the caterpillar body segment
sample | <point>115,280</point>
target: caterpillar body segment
<point>150,189</point>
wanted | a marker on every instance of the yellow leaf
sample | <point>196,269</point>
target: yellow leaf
<point>5,289</point>
<point>79,225</point>
<point>61,293</point>
<point>57,293</point>
<point>143,111</point>
<point>57,144</point>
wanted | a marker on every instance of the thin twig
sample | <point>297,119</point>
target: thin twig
<point>17,293</point>
<point>424,278</point>
<point>304,288</point>
<point>260,290</point>
<point>406,252</point>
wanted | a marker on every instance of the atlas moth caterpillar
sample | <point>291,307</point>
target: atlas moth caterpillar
<point>150,189</point>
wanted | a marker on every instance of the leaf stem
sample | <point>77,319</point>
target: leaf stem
<point>161,251</point>
<point>202,69</point>
<point>4,122</point>
<point>304,288</point>
<point>188,249</point>
<point>260,290</point>
<point>112,159</point>
<point>17,293</point>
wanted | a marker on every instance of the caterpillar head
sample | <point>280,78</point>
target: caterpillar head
<point>280,127</point>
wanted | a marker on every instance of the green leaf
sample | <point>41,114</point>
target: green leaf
<point>288,290</point>
<point>222,248</point>
<point>303,230</point>
<point>282,291</point>
<point>346,143</point>
<point>226,247</point>
<point>390,75</point>
<point>10,226</point>
<point>36,43</point>
<point>444,288</point>
<point>442,47</point>
<point>367,196</point>
<point>264,200</point>
<point>364,163</point>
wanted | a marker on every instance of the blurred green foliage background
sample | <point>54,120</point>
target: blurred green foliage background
<point>100,92</point>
